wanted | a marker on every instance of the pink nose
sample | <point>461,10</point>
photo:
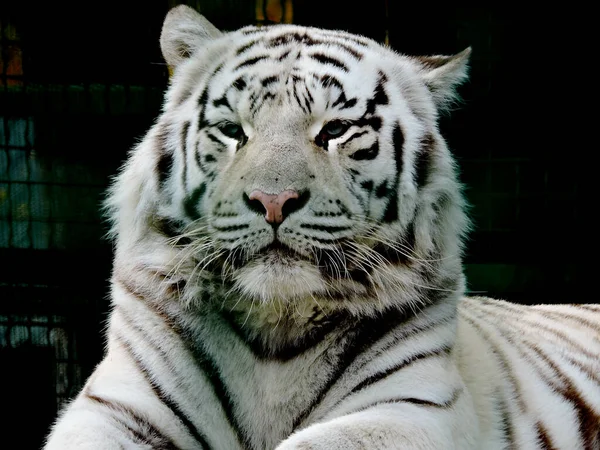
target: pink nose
<point>273,203</point>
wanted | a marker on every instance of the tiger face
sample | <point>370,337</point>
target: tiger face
<point>294,163</point>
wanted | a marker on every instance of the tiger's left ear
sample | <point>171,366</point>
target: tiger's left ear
<point>183,32</point>
<point>443,74</point>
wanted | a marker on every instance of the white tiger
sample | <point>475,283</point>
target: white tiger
<point>288,273</point>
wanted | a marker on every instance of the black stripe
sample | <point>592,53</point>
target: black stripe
<point>310,97</point>
<point>507,426</point>
<point>253,30</point>
<point>202,105</point>
<point>326,228</point>
<point>588,307</point>
<point>586,415</point>
<point>253,99</point>
<point>588,419</point>
<point>329,34</point>
<point>293,349</point>
<point>434,287</point>
<point>222,102</point>
<point>421,402</point>
<point>241,226</point>
<point>505,365</point>
<point>310,41</point>
<point>269,80</point>
<point>398,141</point>
<point>543,437</point>
<point>341,99</point>
<point>217,141</point>
<point>298,100</point>
<point>560,335</point>
<point>268,96</point>
<point>367,382</point>
<point>144,431</point>
<point>192,201</point>
<point>407,241</point>
<point>382,191</point>
<point>257,104</point>
<point>210,368</point>
<point>373,122</point>
<point>366,154</point>
<point>184,135</point>
<point>170,228</point>
<point>347,49</point>
<point>349,103</point>
<point>239,84</point>
<point>203,99</point>
<point>184,95</point>
<point>323,241</point>
<point>379,96</point>
<point>251,61</point>
<point>287,38</point>
<point>358,339</point>
<point>423,160</point>
<point>391,211</point>
<point>354,136</point>
<point>350,37</point>
<point>367,186</point>
<point>562,316</point>
<point>324,59</point>
<point>246,47</point>
<point>417,401</point>
<point>307,99</point>
<point>330,80</point>
<point>164,163</point>
<point>164,397</point>
<point>198,157</point>
<point>283,55</point>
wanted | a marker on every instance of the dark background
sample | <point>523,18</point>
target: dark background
<point>80,84</point>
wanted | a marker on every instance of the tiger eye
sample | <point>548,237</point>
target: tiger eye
<point>331,130</point>
<point>232,130</point>
<point>334,129</point>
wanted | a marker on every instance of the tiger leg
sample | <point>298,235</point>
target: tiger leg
<point>118,408</point>
<point>401,425</point>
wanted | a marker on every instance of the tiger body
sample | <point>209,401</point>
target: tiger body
<point>288,268</point>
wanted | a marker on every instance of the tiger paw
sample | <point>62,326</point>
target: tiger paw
<point>337,437</point>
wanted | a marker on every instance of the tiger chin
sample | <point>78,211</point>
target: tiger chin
<point>288,273</point>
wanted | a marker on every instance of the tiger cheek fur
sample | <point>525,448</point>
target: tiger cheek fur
<point>288,268</point>
<point>285,113</point>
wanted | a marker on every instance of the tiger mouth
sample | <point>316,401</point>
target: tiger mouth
<point>278,252</point>
<point>274,253</point>
<point>330,264</point>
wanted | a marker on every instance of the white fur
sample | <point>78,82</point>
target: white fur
<point>197,354</point>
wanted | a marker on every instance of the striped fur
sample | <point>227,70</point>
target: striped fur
<point>342,323</point>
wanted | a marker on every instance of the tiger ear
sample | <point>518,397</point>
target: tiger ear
<point>184,31</point>
<point>443,74</point>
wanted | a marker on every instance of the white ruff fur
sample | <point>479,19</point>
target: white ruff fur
<point>343,325</point>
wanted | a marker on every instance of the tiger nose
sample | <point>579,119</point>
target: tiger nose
<point>273,204</point>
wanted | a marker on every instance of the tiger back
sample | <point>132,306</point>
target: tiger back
<point>288,268</point>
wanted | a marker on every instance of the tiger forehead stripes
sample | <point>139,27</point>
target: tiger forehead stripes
<point>288,270</point>
<point>284,83</point>
<point>336,124</point>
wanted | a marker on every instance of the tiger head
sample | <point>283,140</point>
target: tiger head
<point>295,165</point>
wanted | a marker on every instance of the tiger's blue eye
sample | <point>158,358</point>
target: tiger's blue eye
<point>331,130</point>
<point>334,129</point>
<point>232,130</point>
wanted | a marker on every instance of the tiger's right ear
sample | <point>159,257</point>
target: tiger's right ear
<point>184,31</point>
